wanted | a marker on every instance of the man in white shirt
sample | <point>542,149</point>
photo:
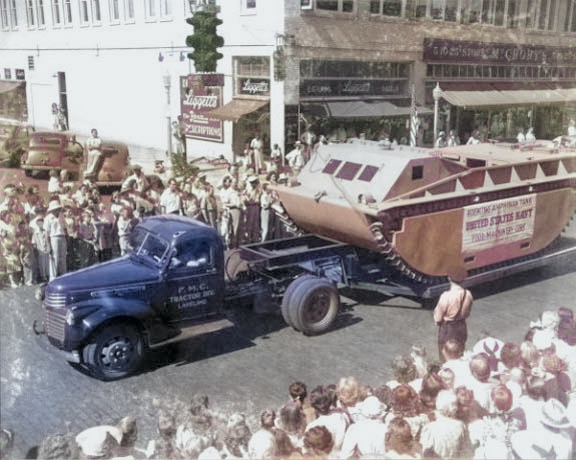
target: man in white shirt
<point>170,200</point>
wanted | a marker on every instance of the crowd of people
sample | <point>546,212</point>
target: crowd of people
<point>490,400</point>
<point>42,237</point>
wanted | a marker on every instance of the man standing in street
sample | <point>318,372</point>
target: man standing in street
<point>56,235</point>
<point>453,308</point>
<point>94,151</point>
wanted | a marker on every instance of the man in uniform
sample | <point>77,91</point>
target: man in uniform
<point>453,308</point>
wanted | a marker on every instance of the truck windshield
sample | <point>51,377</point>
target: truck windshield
<point>148,245</point>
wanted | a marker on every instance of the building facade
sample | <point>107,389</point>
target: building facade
<point>341,68</point>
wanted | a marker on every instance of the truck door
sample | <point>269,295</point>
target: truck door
<point>195,285</point>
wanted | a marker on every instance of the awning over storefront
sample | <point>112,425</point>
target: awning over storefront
<point>519,97</point>
<point>6,86</point>
<point>236,108</point>
<point>365,109</point>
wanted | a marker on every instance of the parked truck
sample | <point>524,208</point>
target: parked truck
<point>178,281</point>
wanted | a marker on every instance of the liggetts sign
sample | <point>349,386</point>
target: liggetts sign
<point>200,94</point>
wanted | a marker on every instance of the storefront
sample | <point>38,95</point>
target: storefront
<point>249,108</point>
<point>347,99</point>
<point>501,89</point>
<point>13,95</point>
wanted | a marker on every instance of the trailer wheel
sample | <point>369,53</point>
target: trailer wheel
<point>114,352</point>
<point>314,306</point>
<point>287,297</point>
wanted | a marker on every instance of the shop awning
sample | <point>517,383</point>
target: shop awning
<point>236,108</point>
<point>365,109</point>
<point>518,97</point>
<point>6,86</point>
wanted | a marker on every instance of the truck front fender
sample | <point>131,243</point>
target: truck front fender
<point>85,317</point>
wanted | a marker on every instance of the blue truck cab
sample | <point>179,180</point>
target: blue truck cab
<point>171,285</point>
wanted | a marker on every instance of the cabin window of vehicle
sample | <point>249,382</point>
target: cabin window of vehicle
<point>368,173</point>
<point>331,166</point>
<point>348,171</point>
<point>417,172</point>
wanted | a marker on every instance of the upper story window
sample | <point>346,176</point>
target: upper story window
<point>343,6</point>
<point>31,13</point>
<point>41,17</point>
<point>248,7</point>
<point>57,19</point>
<point>129,16</point>
<point>84,12</point>
<point>114,10</point>
<point>67,12</point>
<point>96,12</point>
<point>13,14</point>
<point>90,12</point>
<point>151,10</point>
<point>166,10</point>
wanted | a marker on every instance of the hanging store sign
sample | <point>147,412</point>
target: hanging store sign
<point>254,87</point>
<point>504,221</point>
<point>347,87</point>
<point>436,50</point>
<point>199,94</point>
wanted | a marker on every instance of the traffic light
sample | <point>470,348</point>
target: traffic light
<point>205,40</point>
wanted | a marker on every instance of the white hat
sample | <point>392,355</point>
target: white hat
<point>53,206</point>
<point>554,415</point>
<point>92,441</point>
<point>371,407</point>
<point>252,178</point>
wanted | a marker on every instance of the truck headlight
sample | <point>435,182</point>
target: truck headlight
<point>70,319</point>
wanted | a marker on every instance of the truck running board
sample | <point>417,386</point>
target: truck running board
<point>196,330</point>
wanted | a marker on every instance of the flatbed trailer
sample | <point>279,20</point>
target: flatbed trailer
<point>274,265</point>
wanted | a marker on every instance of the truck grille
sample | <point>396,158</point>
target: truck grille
<point>55,319</point>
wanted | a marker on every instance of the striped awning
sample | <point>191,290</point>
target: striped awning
<point>236,109</point>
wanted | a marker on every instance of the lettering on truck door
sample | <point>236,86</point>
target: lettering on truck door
<point>194,285</point>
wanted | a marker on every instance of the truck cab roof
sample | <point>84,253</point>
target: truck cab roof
<point>171,226</point>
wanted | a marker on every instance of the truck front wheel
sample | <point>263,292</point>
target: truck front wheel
<point>314,306</point>
<point>114,352</point>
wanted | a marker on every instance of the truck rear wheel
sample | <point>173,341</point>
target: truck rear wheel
<point>287,297</point>
<point>114,352</point>
<point>314,306</point>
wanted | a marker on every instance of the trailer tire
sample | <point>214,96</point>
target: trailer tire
<point>114,352</point>
<point>314,306</point>
<point>287,297</point>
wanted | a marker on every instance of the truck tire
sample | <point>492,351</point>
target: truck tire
<point>314,306</point>
<point>287,297</point>
<point>114,352</point>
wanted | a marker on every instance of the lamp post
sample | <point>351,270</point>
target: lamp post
<point>436,94</point>
<point>167,84</point>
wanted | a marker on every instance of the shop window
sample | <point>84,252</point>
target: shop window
<point>392,7</point>
<point>344,6</point>
<point>417,172</point>
<point>349,170</point>
<point>368,173</point>
<point>451,12</point>
<point>331,166</point>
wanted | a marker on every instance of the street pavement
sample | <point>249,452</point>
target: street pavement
<point>249,367</point>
